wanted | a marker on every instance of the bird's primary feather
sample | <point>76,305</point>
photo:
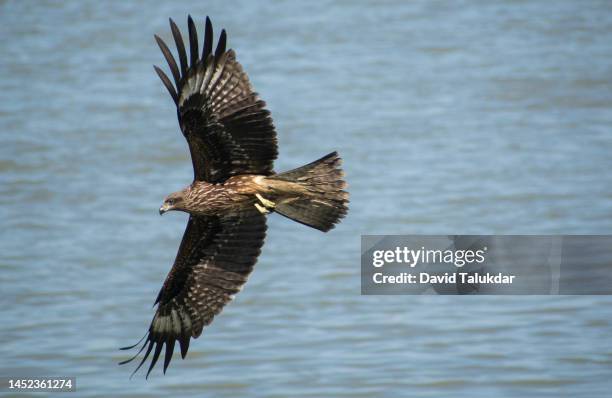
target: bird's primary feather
<point>226,124</point>
<point>214,260</point>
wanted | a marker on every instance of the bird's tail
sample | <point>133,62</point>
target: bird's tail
<point>323,201</point>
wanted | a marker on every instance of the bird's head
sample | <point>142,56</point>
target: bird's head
<point>174,201</point>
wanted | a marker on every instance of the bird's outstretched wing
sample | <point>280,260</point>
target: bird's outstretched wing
<point>228,129</point>
<point>213,262</point>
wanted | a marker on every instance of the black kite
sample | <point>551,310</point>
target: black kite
<point>233,146</point>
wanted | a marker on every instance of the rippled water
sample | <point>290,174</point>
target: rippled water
<point>452,117</point>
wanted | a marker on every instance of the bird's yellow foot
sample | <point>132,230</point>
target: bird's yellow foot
<point>261,209</point>
<point>268,204</point>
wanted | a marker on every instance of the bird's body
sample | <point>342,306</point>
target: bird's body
<point>233,146</point>
<point>236,195</point>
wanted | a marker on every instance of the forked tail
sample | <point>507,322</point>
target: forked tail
<point>324,201</point>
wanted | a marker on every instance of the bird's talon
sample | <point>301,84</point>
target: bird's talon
<point>267,203</point>
<point>261,209</point>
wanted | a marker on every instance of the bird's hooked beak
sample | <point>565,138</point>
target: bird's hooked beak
<point>165,207</point>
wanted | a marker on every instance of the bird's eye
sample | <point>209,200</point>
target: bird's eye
<point>170,202</point>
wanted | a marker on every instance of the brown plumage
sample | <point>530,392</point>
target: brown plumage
<point>233,146</point>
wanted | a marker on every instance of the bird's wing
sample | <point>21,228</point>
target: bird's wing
<point>214,261</point>
<point>226,124</point>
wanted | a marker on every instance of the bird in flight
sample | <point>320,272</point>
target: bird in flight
<point>233,146</point>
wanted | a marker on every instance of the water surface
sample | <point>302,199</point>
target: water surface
<point>452,118</point>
